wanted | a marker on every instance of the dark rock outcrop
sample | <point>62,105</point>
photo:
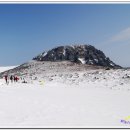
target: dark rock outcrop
<point>85,54</point>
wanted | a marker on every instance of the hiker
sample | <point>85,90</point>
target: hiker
<point>16,78</point>
<point>11,78</point>
<point>6,79</point>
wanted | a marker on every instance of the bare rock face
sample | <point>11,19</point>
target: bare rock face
<point>84,54</point>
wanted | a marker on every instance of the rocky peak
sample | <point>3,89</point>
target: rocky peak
<point>85,54</point>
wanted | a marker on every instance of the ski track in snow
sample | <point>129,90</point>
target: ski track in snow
<point>74,98</point>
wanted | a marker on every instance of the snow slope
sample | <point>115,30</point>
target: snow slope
<point>67,99</point>
<point>2,69</point>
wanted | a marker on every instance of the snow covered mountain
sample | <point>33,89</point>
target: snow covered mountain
<point>65,94</point>
<point>85,54</point>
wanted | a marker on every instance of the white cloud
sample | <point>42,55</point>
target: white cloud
<point>121,36</point>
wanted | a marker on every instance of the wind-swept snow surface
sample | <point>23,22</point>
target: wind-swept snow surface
<point>92,98</point>
<point>2,69</point>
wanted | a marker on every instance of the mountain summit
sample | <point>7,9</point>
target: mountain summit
<point>85,54</point>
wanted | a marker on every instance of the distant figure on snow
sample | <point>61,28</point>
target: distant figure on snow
<point>6,79</point>
<point>16,78</point>
<point>11,78</point>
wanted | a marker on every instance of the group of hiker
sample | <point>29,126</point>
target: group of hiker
<point>11,78</point>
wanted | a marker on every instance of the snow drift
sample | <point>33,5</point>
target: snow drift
<point>65,94</point>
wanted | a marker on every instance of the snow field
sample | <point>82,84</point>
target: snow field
<point>75,99</point>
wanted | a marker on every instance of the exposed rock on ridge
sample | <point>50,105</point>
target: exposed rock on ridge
<point>85,54</point>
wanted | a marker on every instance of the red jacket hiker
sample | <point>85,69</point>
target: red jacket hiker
<point>16,78</point>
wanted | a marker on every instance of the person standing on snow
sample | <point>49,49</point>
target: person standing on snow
<point>11,78</point>
<point>6,79</point>
<point>16,78</point>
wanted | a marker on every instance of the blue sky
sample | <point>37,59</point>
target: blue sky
<point>28,29</point>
